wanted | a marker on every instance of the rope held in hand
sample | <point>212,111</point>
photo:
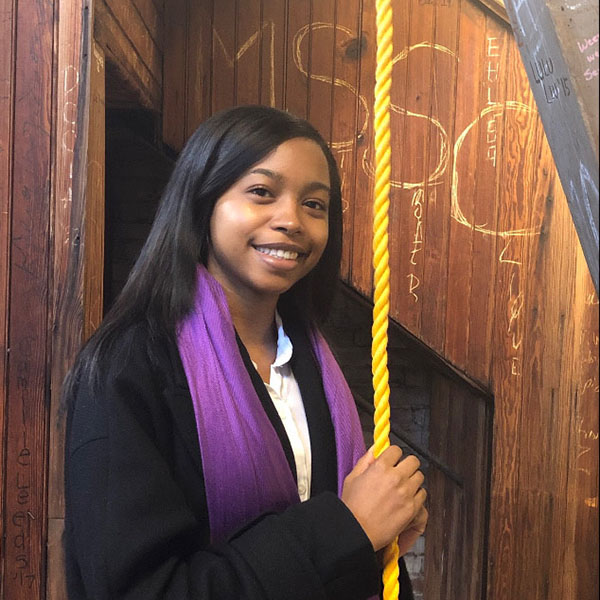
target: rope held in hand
<point>383,81</point>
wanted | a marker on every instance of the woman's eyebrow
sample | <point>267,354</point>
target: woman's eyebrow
<point>313,186</point>
<point>272,174</point>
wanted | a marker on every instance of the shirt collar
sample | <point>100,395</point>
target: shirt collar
<point>284,344</point>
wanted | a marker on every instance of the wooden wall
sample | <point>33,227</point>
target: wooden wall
<point>41,222</point>
<point>486,265</point>
<point>130,33</point>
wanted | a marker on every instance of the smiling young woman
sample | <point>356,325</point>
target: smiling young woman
<point>213,446</point>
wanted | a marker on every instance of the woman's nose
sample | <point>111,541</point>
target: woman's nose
<point>287,216</point>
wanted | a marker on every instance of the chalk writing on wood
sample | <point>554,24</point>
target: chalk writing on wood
<point>336,81</point>
<point>589,48</point>
<point>20,537</point>
<point>268,28</point>
<point>456,211</point>
<point>417,242</point>
<point>491,80</point>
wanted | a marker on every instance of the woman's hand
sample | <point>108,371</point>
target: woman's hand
<point>386,498</point>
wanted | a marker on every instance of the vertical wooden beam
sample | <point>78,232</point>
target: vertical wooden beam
<point>94,206</point>
<point>70,116</point>
<point>27,374</point>
<point>174,74</point>
<point>559,48</point>
<point>7,15</point>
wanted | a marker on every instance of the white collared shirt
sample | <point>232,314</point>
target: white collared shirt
<point>285,394</point>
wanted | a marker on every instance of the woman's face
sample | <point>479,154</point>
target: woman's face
<point>269,229</point>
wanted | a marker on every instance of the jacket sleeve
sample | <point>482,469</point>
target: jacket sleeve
<point>132,532</point>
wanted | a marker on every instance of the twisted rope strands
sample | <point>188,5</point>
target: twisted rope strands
<point>383,82</point>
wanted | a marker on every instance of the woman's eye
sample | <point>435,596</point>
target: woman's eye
<point>316,204</point>
<point>261,192</point>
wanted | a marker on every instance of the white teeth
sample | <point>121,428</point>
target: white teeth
<point>278,253</point>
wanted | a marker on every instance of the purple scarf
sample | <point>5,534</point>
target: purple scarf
<point>246,472</point>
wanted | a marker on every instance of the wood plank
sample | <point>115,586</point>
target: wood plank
<point>320,56</point>
<point>273,52</point>
<point>153,21</point>
<point>362,219</point>
<point>516,353</point>
<point>408,210</point>
<point>199,61</point>
<point>547,272</point>
<point>120,51</point>
<point>490,245</point>
<point>95,202</point>
<point>297,59</point>
<point>7,57</point>
<point>470,97</point>
<point>250,39</point>
<point>67,223</point>
<point>224,55</point>
<point>438,196</point>
<point>26,409</point>
<point>582,493</point>
<point>56,585</point>
<point>174,97</point>
<point>141,38</point>
<point>351,113</point>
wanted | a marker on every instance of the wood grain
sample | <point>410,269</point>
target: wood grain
<point>7,20</point>
<point>29,297</point>
<point>123,53</point>
<point>174,97</point>
<point>199,74</point>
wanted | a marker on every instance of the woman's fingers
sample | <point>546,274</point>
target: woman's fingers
<point>363,463</point>
<point>385,495</point>
<point>390,456</point>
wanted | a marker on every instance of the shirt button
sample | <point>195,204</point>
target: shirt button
<point>302,489</point>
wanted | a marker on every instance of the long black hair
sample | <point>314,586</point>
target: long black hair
<point>161,286</point>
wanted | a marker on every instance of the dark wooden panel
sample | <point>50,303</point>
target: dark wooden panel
<point>250,37</point>
<point>224,55</point>
<point>480,148</point>
<point>439,169</point>
<point>470,96</point>
<point>297,60</point>
<point>411,166</point>
<point>121,51</point>
<point>66,310</point>
<point>199,60</point>
<point>174,98</point>
<point>582,494</point>
<point>26,409</point>
<point>351,113</point>
<point>362,230</point>
<point>141,38</point>
<point>7,17</point>
<point>320,57</point>
<point>455,552</point>
<point>152,18</point>
<point>273,52</point>
<point>94,207</point>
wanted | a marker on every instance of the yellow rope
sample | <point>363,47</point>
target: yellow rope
<point>383,81</point>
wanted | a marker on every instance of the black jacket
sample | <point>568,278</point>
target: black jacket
<point>136,516</point>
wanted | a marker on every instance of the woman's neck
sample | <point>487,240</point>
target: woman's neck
<point>255,324</point>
